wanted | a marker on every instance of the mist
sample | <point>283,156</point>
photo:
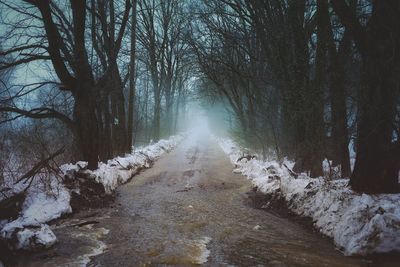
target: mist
<point>199,114</point>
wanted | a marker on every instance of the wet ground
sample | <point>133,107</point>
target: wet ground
<point>189,209</point>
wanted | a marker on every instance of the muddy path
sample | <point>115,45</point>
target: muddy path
<point>189,209</point>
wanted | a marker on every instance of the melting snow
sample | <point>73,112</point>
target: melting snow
<point>360,224</point>
<point>99,247</point>
<point>257,227</point>
<point>119,170</point>
<point>41,207</point>
<point>42,237</point>
<point>203,253</point>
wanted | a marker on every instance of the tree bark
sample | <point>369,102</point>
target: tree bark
<point>132,81</point>
<point>157,115</point>
<point>315,126</point>
<point>377,161</point>
<point>340,136</point>
<point>87,126</point>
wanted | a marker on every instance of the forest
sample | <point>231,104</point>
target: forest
<point>313,82</point>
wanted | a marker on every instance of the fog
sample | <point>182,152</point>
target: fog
<point>178,119</point>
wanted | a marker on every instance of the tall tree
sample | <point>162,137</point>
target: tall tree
<point>132,76</point>
<point>377,163</point>
<point>338,57</point>
<point>64,43</point>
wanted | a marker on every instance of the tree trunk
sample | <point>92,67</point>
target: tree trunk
<point>169,112</point>
<point>157,115</point>
<point>303,99</point>
<point>176,117</point>
<point>87,125</point>
<point>376,169</point>
<point>84,93</point>
<point>146,111</point>
<point>105,131</point>
<point>340,139</point>
<point>312,152</point>
<point>119,125</point>
<point>132,81</point>
<point>377,161</point>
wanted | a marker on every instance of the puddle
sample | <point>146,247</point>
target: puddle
<point>191,252</point>
<point>154,226</point>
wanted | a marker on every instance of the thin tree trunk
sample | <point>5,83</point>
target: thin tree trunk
<point>132,82</point>
<point>157,115</point>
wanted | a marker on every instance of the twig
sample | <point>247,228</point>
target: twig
<point>40,165</point>
<point>295,175</point>
<point>123,167</point>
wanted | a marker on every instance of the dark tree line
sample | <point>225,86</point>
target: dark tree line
<point>296,74</point>
<point>101,53</point>
<point>378,43</point>
<point>93,80</point>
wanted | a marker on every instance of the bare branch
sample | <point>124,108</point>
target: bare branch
<point>41,113</point>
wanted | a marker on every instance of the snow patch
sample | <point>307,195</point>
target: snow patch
<point>39,207</point>
<point>99,247</point>
<point>359,224</point>
<point>119,170</point>
<point>257,227</point>
<point>34,238</point>
<point>42,205</point>
<point>203,253</point>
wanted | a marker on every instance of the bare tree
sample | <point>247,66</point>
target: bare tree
<point>61,38</point>
<point>376,168</point>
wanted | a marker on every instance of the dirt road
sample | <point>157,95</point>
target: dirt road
<point>188,209</point>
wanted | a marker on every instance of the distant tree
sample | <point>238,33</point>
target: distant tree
<point>132,76</point>
<point>160,29</point>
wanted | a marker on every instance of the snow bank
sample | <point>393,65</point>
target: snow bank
<point>29,230</point>
<point>33,238</point>
<point>359,224</point>
<point>42,205</point>
<point>119,170</point>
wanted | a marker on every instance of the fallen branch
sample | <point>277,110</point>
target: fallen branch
<point>83,223</point>
<point>40,165</point>
<point>11,206</point>
<point>295,175</point>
